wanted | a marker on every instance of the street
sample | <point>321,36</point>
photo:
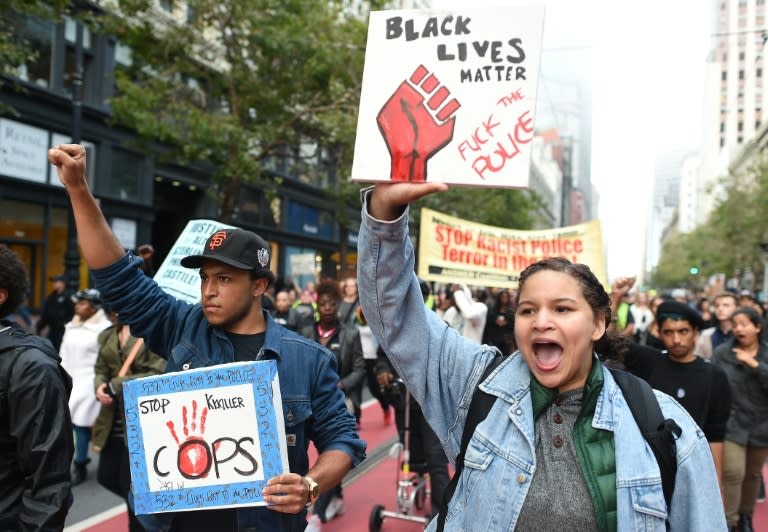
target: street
<point>372,483</point>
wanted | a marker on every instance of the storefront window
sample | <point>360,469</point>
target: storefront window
<point>21,229</point>
<point>127,173</point>
<point>309,221</point>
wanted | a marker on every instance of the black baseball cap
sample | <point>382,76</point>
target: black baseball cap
<point>236,247</point>
<point>679,311</point>
<point>55,278</point>
<point>89,294</point>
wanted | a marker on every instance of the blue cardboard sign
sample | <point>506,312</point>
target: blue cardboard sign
<point>205,438</point>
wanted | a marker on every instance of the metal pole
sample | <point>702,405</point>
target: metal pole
<point>72,256</point>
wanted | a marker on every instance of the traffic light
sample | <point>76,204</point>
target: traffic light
<point>694,270</point>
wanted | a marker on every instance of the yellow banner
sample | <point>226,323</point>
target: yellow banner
<point>453,250</point>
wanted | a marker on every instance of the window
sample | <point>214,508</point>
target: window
<point>759,72</point>
<point>39,35</point>
<point>127,175</point>
<point>740,127</point>
<point>254,208</point>
<point>68,79</point>
<point>741,56</point>
<point>166,5</point>
<point>724,75</point>
<point>741,74</point>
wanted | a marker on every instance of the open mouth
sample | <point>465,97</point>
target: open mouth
<point>547,354</point>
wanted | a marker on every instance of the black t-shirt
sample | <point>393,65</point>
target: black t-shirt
<point>247,347</point>
<point>700,387</point>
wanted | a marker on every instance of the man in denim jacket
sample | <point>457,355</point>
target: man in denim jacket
<point>229,325</point>
<point>442,369</point>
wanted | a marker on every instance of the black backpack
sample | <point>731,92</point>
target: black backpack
<point>14,342</point>
<point>660,433</point>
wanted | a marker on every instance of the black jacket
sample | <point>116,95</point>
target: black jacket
<point>748,422</point>
<point>58,310</point>
<point>36,444</point>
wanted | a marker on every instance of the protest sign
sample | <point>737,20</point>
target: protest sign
<point>449,95</point>
<point>452,250</point>
<point>205,438</point>
<point>184,283</point>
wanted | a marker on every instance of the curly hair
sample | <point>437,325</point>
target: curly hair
<point>328,287</point>
<point>611,345</point>
<point>13,278</point>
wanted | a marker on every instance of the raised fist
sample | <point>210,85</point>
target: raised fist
<point>415,129</point>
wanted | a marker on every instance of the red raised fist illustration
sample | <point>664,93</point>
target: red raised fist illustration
<point>414,127</point>
<point>194,459</point>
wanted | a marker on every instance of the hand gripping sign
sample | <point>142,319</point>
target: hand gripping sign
<point>207,438</point>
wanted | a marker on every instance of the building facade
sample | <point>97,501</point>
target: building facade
<point>145,200</point>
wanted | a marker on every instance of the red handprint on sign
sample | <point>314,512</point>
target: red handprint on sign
<point>415,130</point>
<point>194,459</point>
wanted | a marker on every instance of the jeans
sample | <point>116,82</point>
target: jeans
<point>82,439</point>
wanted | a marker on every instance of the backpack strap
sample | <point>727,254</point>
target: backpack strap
<point>660,433</point>
<point>478,410</point>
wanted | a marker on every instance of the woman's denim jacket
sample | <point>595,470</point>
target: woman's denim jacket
<point>313,406</point>
<point>442,369</point>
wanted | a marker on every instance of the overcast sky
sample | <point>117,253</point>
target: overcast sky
<point>647,80</point>
<point>648,71</point>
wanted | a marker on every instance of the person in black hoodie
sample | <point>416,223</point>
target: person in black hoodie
<point>58,310</point>
<point>36,445</point>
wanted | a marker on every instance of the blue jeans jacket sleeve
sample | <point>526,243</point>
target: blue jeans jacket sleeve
<point>440,367</point>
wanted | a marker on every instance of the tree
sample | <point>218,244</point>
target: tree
<point>242,83</point>
<point>15,48</point>
<point>513,209</point>
<point>729,240</point>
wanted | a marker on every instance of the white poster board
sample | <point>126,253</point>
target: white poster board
<point>449,95</point>
<point>205,438</point>
<point>184,283</point>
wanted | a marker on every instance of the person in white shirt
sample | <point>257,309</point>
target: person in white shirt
<point>466,314</point>
<point>79,350</point>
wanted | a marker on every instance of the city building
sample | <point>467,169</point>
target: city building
<point>145,199</point>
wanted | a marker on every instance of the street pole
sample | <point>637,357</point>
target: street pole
<point>72,256</point>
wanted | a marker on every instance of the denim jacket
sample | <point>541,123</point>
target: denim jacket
<point>442,369</point>
<point>313,406</point>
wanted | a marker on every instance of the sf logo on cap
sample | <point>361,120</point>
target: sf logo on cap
<point>217,239</point>
<point>263,256</point>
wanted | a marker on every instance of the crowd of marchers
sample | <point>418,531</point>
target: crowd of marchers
<point>561,361</point>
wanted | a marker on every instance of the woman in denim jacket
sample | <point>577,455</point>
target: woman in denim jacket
<point>560,448</point>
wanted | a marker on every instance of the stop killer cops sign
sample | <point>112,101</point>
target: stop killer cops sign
<point>449,95</point>
<point>207,438</point>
